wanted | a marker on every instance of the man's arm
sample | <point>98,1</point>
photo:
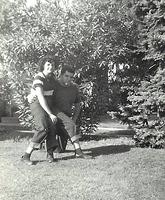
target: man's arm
<point>76,112</point>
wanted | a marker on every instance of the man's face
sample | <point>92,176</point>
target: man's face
<point>67,78</point>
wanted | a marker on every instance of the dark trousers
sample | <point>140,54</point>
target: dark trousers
<point>68,126</point>
<point>44,127</point>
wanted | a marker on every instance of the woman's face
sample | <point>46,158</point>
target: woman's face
<point>48,68</point>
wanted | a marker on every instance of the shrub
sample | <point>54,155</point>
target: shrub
<point>88,37</point>
<point>150,138</point>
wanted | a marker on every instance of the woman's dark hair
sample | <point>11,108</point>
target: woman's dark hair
<point>67,69</point>
<point>54,60</point>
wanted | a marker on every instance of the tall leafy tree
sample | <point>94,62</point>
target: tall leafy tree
<point>90,38</point>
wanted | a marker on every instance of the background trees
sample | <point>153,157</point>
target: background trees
<point>90,39</point>
<point>146,100</point>
<point>117,48</point>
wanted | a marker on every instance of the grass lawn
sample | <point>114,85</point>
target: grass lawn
<point>119,171</point>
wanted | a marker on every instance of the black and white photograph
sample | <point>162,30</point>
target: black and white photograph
<point>82,99</point>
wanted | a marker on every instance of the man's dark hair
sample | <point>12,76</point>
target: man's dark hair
<point>51,59</point>
<point>67,69</point>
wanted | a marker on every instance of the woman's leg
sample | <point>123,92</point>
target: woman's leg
<point>42,129</point>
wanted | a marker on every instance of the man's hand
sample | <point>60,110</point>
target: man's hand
<point>77,108</point>
<point>53,118</point>
<point>74,118</point>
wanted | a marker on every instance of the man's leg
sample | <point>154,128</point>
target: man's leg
<point>78,151</point>
<point>70,128</point>
<point>61,137</point>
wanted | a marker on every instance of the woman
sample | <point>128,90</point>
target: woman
<point>40,100</point>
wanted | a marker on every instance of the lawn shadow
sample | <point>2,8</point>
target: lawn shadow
<point>103,150</point>
<point>107,150</point>
<point>35,162</point>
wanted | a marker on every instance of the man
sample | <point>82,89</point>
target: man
<point>40,101</point>
<point>66,97</point>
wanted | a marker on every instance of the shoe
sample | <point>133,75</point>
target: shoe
<point>80,154</point>
<point>84,156</point>
<point>50,158</point>
<point>26,160</point>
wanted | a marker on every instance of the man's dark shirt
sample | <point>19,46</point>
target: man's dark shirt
<point>65,97</point>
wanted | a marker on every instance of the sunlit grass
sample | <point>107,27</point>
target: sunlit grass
<point>119,171</point>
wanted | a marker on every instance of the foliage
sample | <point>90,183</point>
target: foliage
<point>147,101</point>
<point>150,138</point>
<point>5,93</point>
<point>146,98</point>
<point>89,35</point>
<point>149,98</point>
<point>117,48</point>
<point>88,119</point>
<point>151,22</point>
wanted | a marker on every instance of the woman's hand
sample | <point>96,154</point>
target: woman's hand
<point>53,118</point>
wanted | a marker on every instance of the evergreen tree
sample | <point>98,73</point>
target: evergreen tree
<point>146,100</point>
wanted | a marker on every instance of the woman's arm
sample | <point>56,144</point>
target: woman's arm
<point>43,103</point>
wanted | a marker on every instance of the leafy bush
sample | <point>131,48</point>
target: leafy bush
<point>150,138</point>
<point>89,37</point>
